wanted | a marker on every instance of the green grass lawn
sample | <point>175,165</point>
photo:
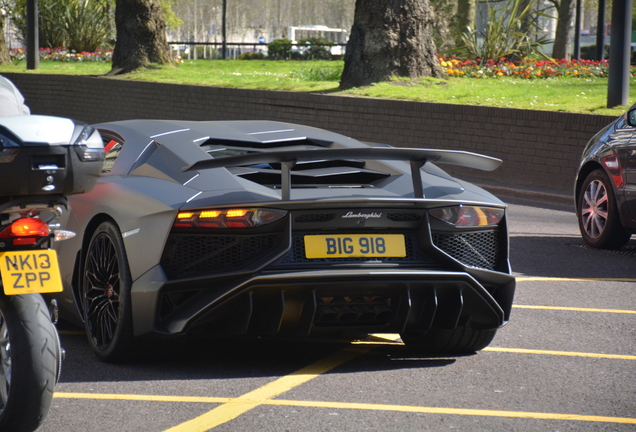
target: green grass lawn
<point>579,95</point>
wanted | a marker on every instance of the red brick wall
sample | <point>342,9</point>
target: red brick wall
<point>539,148</point>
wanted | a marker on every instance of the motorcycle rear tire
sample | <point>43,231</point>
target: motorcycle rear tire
<point>29,362</point>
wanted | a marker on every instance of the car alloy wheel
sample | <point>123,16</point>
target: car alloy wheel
<point>598,217</point>
<point>594,210</point>
<point>106,294</point>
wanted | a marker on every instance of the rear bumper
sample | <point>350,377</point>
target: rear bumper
<point>303,303</point>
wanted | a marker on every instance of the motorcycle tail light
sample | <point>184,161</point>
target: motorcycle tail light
<point>469,216</point>
<point>228,218</point>
<point>25,231</point>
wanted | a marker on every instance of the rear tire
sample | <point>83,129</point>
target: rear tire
<point>597,213</point>
<point>105,293</point>
<point>462,340</point>
<point>29,362</point>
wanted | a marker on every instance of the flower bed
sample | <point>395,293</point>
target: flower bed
<point>63,55</point>
<point>527,68</point>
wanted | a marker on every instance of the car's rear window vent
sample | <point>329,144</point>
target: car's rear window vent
<point>312,173</point>
<point>317,177</point>
<point>265,144</point>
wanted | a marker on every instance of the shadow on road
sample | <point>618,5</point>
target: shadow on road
<point>207,358</point>
<point>569,257</point>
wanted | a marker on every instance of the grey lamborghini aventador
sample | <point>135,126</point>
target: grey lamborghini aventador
<point>275,229</point>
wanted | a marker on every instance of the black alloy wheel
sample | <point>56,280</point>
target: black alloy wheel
<point>105,294</point>
<point>597,213</point>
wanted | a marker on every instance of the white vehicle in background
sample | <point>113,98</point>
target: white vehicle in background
<point>337,36</point>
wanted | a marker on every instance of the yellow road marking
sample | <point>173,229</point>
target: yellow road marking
<point>145,398</point>
<point>559,279</point>
<point>564,308</point>
<point>532,351</point>
<point>454,411</point>
<point>230,410</point>
<point>560,353</point>
<point>358,406</point>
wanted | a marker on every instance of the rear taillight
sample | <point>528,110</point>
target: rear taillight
<point>613,166</point>
<point>25,231</point>
<point>469,216</point>
<point>228,218</point>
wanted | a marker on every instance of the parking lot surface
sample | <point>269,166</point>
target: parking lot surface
<point>566,361</point>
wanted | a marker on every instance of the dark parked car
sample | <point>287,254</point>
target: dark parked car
<point>275,229</point>
<point>605,189</point>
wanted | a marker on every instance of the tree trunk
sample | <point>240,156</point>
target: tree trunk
<point>444,24</point>
<point>4,51</point>
<point>562,43</point>
<point>464,19</point>
<point>466,11</point>
<point>390,38</point>
<point>141,35</point>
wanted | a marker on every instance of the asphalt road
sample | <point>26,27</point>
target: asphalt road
<point>566,361</point>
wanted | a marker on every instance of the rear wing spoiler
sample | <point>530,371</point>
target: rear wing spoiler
<point>416,157</point>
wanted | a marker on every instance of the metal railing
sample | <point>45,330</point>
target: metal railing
<point>214,50</point>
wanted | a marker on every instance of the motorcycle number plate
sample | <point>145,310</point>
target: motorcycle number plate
<point>28,272</point>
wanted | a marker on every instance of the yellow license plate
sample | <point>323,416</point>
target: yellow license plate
<point>28,272</point>
<point>355,246</point>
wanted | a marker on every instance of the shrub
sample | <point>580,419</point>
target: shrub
<point>279,49</point>
<point>252,56</point>
<point>509,33</point>
<point>204,52</point>
<point>316,48</point>
<point>85,24</point>
<point>79,25</point>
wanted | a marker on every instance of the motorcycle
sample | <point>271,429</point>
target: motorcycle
<point>42,159</point>
<point>30,350</point>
